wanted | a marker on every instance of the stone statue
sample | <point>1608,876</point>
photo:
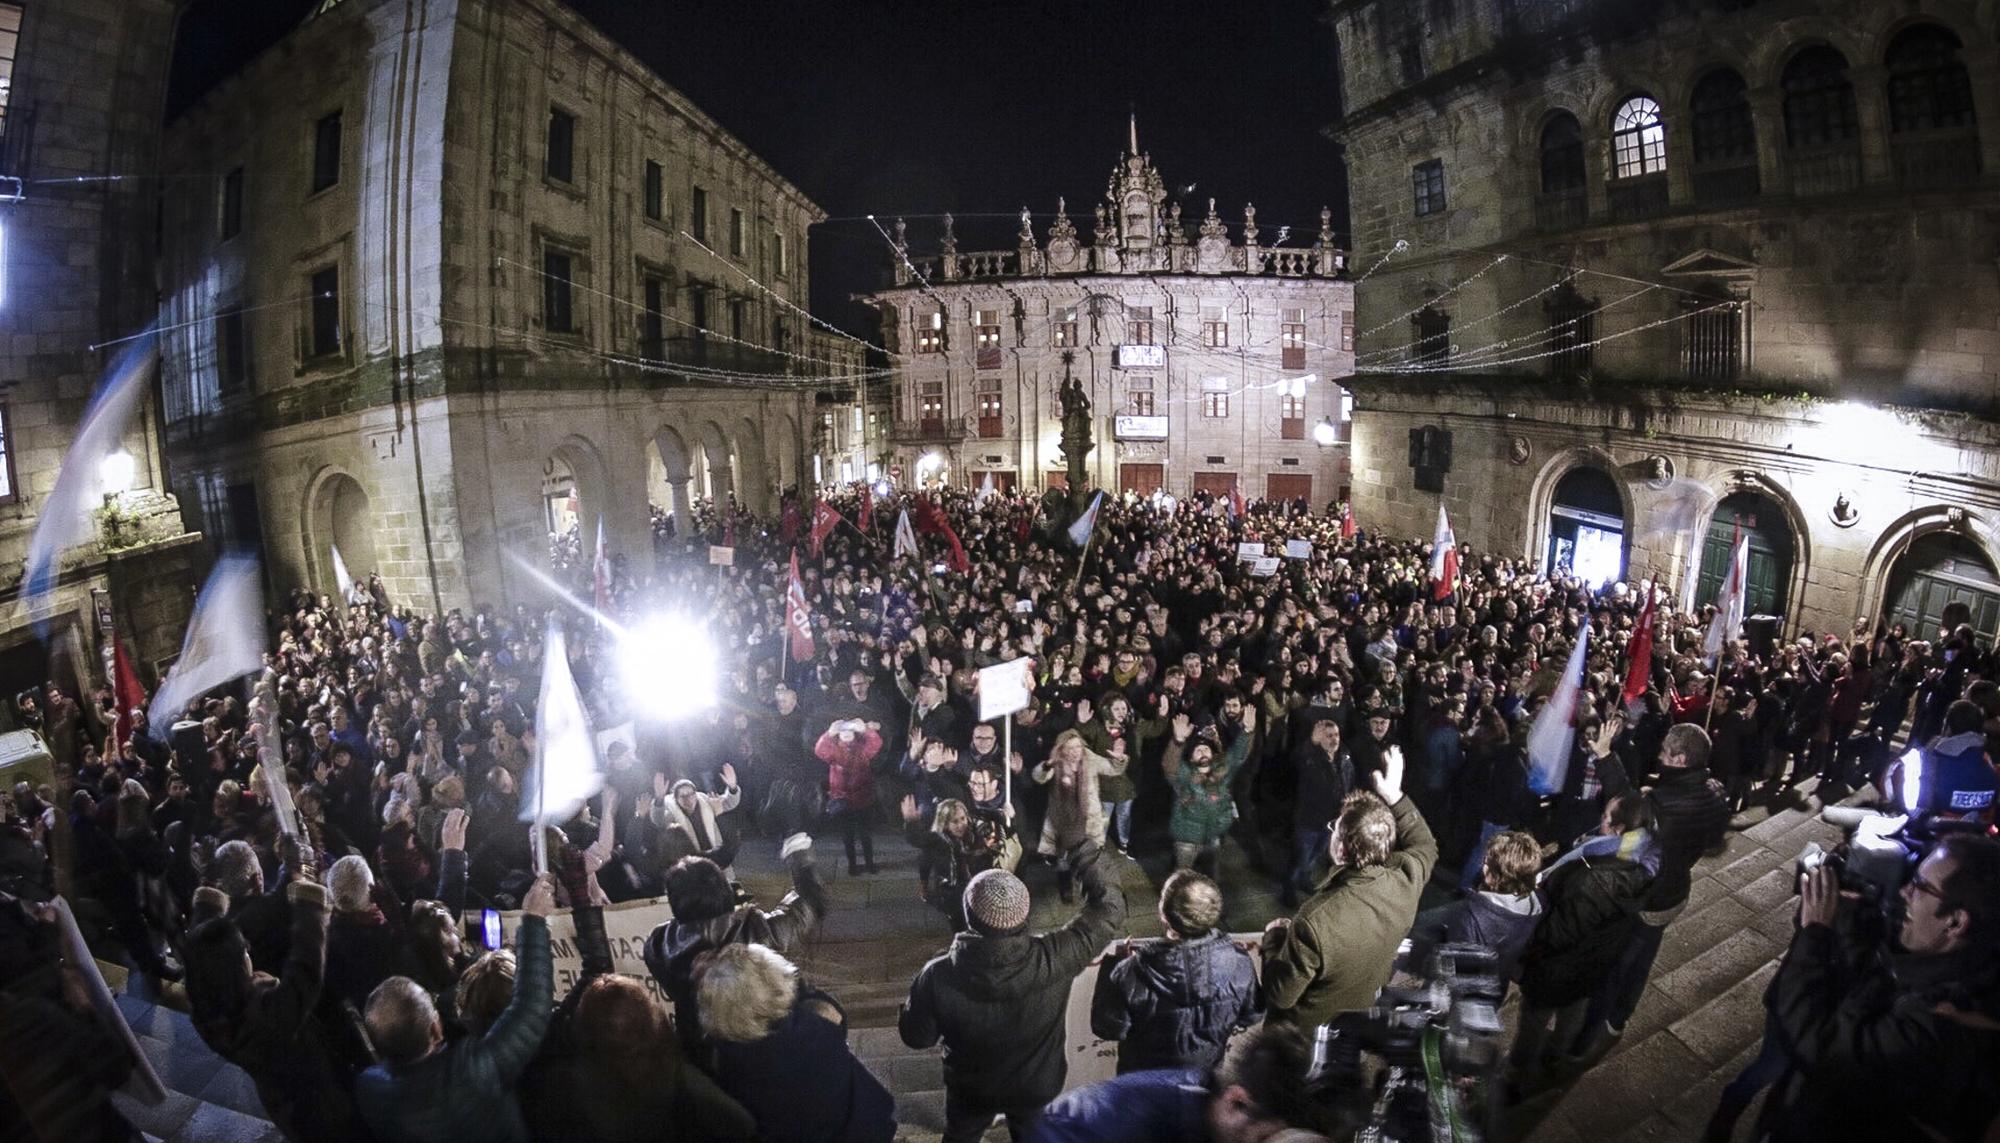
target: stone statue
<point>1076,442</point>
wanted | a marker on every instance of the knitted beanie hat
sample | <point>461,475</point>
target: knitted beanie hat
<point>996,903</point>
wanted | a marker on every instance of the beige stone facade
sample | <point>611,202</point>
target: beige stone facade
<point>1210,360</point>
<point>480,261</point>
<point>1737,255</point>
<point>81,133</point>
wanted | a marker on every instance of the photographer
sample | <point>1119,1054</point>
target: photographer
<point>1885,1044</point>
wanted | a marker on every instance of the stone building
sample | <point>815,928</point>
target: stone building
<point>1210,363</point>
<point>1645,274</point>
<point>81,90</point>
<point>469,274</point>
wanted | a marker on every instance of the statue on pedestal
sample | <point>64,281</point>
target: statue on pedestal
<point>1076,442</point>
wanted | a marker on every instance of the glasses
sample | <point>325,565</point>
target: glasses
<point>1926,888</point>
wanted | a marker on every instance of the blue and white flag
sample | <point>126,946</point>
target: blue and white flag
<point>1553,737</point>
<point>1086,523</point>
<point>64,520</point>
<point>341,578</point>
<point>565,773</point>
<point>225,640</point>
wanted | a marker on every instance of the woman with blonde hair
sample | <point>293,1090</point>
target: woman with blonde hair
<point>1076,812</point>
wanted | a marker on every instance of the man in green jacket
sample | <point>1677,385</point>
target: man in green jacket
<point>1337,953</point>
<point>428,1091</point>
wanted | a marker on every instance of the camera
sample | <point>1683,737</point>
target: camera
<point>1873,863</point>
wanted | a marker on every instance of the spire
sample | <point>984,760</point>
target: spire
<point>1132,140</point>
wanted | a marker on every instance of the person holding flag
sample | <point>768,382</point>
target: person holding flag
<point>565,772</point>
<point>1444,557</point>
<point>1639,650</point>
<point>1347,529</point>
<point>1553,737</point>
<point>824,521</point>
<point>798,617</point>
<point>225,640</point>
<point>1729,601</point>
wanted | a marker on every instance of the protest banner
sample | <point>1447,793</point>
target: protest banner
<point>627,925</point>
<point>720,556</point>
<point>1248,551</point>
<point>1298,549</point>
<point>1265,566</point>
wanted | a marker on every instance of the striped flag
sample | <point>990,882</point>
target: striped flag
<point>1087,523</point>
<point>1553,736</point>
<point>225,640</point>
<point>1729,602</point>
<point>1444,557</point>
<point>798,618</point>
<point>64,518</point>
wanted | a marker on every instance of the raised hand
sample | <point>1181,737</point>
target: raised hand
<point>541,898</point>
<point>1249,717</point>
<point>1607,734</point>
<point>910,811</point>
<point>1183,726</point>
<point>1389,782</point>
<point>729,775</point>
<point>1166,705</point>
<point>453,834</point>
<point>659,785</point>
<point>1083,711</point>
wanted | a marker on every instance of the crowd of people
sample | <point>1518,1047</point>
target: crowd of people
<point>1346,728</point>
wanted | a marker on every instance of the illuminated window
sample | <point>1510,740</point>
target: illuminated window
<point>8,486</point>
<point>1638,138</point>
<point>1292,338</point>
<point>1215,397</point>
<point>1063,326</point>
<point>989,405</point>
<point>930,404</point>
<point>1292,417</point>
<point>857,418</point>
<point>986,340</point>
<point>781,253</point>
<point>930,333</point>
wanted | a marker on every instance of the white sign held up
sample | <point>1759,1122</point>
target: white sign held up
<point>1264,566</point>
<point>1250,551</point>
<point>1004,688</point>
<point>1298,549</point>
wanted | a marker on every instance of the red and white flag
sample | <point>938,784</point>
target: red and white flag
<point>1444,557</point>
<point>1553,736</point>
<point>1639,650</point>
<point>825,520</point>
<point>600,572</point>
<point>126,689</point>
<point>798,619</point>
<point>1729,602</point>
<point>1347,521</point>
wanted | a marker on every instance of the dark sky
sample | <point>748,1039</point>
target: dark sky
<point>975,107</point>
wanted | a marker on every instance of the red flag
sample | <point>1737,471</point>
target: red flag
<point>788,527</point>
<point>825,520</point>
<point>1639,651</point>
<point>960,563</point>
<point>1235,502</point>
<point>929,520</point>
<point>798,620</point>
<point>125,689</point>
<point>1347,521</point>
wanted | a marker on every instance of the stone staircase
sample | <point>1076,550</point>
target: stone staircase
<point>208,1100</point>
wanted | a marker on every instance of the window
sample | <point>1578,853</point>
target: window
<point>1063,327</point>
<point>1572,327</point>
<point>231,369</point>
<point>1139,396</point>
<point>736,232</point>
<point>930,333</point>
<point>232,204</point>
<point>1292,338</point>
<point>698,215</point>
<point>1430,336</point>
<point>325,312</point>
<point>781,253</point>
<point>560,159</point>
<point>1427,184</point>
<point>10,36</point>
<point>1139,325</point>
<point>9,488</point>
<point>1347,333</point>
<point>653,321</point>
<point>655,191</point>
<point>736,310</point>
<point>988,399</point>
<point>698,318</point>
<point>1562,154</point>
<point>986,340</point>
<point>1819,99</point>
<point>1638,138</point>
<point>1215,397</point>
<point>1292,417</point>
<point>1214,327</point>
<point>930,405</point>
<point>857,420</point>
<point>1723,129</point>
<point>779,334</point>
<point>326,152</point>
<point>1928,87</point>
<point>1714,347</point>
<point>557,314</point>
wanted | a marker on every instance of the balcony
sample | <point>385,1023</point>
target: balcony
<point>1935,160</point>
<point>709,353</point>
<point>1717,186</point>
<point>1819,171</point>
<point>1561,210</point>
<point>1637,199</point>
<point>927,432</point>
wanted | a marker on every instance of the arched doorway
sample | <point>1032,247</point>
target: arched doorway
<point>670,467</point>
<point>1587,527</point>
<point>1939,569</point>
<point>1772,552</point>
<point>338,516</point>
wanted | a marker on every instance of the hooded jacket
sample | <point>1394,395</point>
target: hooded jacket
<point>1174,1004</point>
<point>997,1002</point>
<point>1593,905</point>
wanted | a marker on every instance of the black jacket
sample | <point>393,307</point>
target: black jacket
<point>1173,1004</point>
<point>1592,907</point>
<point>803,1085</point>
<point>998,1002</point>
<point>1689,820</point>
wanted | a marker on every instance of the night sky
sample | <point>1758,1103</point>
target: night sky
<point>977,107</point>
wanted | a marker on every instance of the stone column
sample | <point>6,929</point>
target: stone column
<point>1871,108</point>
<point>720,485</point>
<point>1767,111</point>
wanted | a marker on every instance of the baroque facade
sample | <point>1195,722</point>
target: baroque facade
<point>469,275</point>
<point>79,132</point>
<point>1647,274</point>
<point>1209,363</point>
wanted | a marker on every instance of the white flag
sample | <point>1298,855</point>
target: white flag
<point>64,519</point>
<point>565,773</point>
<point>341,577</point>
<point>1553,736</point>
<point>986,490</point>
<point>1729,602</point>
<point>225,640</point>
<point>906,537</point>
<point>1086,523</point>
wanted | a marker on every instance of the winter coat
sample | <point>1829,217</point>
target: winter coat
<point>1098,735</point>
<point>1592,906</point>
<point>1138,1106</point>
<point>1174,1003</point>
<point>1076,814</point>
<point>1323,784</point>
<point>673,947</point>
<point>279,1043</point>
<point>574,1099</point>
<point>1689,820</point>
<point>1501,922</point>
<point>464,1090</point>
<point>362,951</point>
<point>802,1084</point>
<point>850,777</point>
<point>998,1003</point>
<point>1203,810</point>
<point>1339,949</point>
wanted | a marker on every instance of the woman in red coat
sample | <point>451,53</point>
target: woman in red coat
<point>849,748</point>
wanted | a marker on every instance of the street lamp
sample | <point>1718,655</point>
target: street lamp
<point>116,472</point>
<point>1324,434</point>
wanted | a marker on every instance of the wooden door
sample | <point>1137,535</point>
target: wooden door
<point>1144,479</point>
<point>1289,486</point>
<point>1214,483</point>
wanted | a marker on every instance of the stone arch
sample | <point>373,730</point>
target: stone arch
<point>1770,60</point>
<point>590,477</point>
<point>717,462</point>
<point>787,450</point>
<point>1878,569</point>
<point>669,464</point>
<point>1888,23</point>
<point>338,514</point>
<point>753,482</point>
<point>1727,483</point>
<point>1542,493</point>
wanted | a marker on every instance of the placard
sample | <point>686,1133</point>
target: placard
<point>721,557</point>
<point>1298,549</point>
<point>1250,551</point>
<point>1265,566</point>
<point>626,926</point>
<point>623,732</point>
<point>1005,688</point>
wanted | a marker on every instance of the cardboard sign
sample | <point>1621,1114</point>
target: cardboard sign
<point>719,556</point>
<point>627,926</point>
<point>1250,551</point>
<point>1091,1059</point>
<point>1005,688</point>
<point>1265,566</point>
<point>1298,549</point>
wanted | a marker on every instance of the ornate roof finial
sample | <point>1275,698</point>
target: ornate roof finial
<point>900,242</point>
<point>1326,226</point>
<point>1027,226</point>
<point>1249,225</point>
<point>1211,227</point>
<point>1176,235</point>
<point>948,243</point>
<point>1062,227</point>
<point>1103,233</point>
<point>1133,132</point>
